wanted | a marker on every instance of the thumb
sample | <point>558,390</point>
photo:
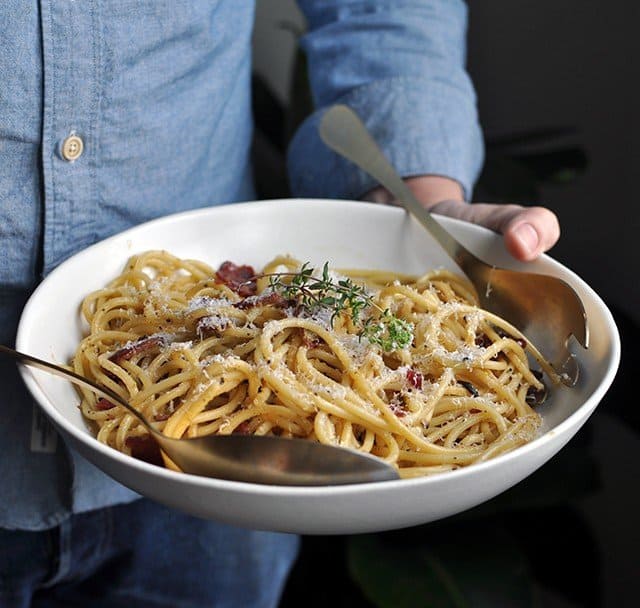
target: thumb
<point>527,231</point>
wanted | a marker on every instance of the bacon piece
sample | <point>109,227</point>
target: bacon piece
<point>211,326</point>
<point>483,341</point>
<point>104,404</point>
<point>244,428</point>
<point>162,417</point>
<point>140,346</point>
<point>144,447</point>
<point>266,299</point>
<point>168,411</point>
<point>309,339</point>
<point>397,405</point>
<point>240,279</point>
<point>415,378</point>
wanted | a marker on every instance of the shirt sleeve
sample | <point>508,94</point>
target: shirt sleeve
<point>400,65</point>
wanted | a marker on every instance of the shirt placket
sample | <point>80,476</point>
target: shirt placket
<point>71,61</point>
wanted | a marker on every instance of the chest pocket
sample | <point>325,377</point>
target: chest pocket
<point>20,197</point>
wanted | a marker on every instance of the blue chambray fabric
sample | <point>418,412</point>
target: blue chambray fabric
<point>159,92</point>
<point>401,66</point>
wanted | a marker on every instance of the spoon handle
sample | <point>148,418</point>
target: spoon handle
<point>246,458</point>
<point>58,370</point>
<point>342,130</point>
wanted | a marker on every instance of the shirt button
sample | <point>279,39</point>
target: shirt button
<point>72,148</point>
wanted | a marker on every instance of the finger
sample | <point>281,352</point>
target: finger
<point>531,232</point>
<point>528,231</point>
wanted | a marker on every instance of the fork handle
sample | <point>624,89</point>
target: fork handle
<point>342,130</point>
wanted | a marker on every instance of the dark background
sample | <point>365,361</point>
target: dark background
<point>558,101</point>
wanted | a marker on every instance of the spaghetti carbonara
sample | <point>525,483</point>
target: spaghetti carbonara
<point>408,369</point>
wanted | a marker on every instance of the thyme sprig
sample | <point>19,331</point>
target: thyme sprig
<point>313,293</point>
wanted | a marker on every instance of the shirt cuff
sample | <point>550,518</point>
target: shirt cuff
<point>424,126</point>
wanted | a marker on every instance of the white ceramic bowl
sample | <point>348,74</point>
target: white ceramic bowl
<point>344,233</point>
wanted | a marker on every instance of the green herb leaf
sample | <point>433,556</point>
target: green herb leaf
<point>343,296</point>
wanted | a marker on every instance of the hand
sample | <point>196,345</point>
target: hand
<point>527,231</point>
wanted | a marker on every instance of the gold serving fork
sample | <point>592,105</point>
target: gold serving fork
<point>544,308</point>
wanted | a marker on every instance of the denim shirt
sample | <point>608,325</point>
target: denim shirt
<point>113,112</point>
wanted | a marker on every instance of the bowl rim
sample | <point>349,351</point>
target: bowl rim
<point>566,428</point>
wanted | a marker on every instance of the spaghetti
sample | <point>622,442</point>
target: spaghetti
<point>200,351</point>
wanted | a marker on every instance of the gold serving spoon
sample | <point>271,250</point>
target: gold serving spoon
<point>249,458</point>
<point>546,309</point>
